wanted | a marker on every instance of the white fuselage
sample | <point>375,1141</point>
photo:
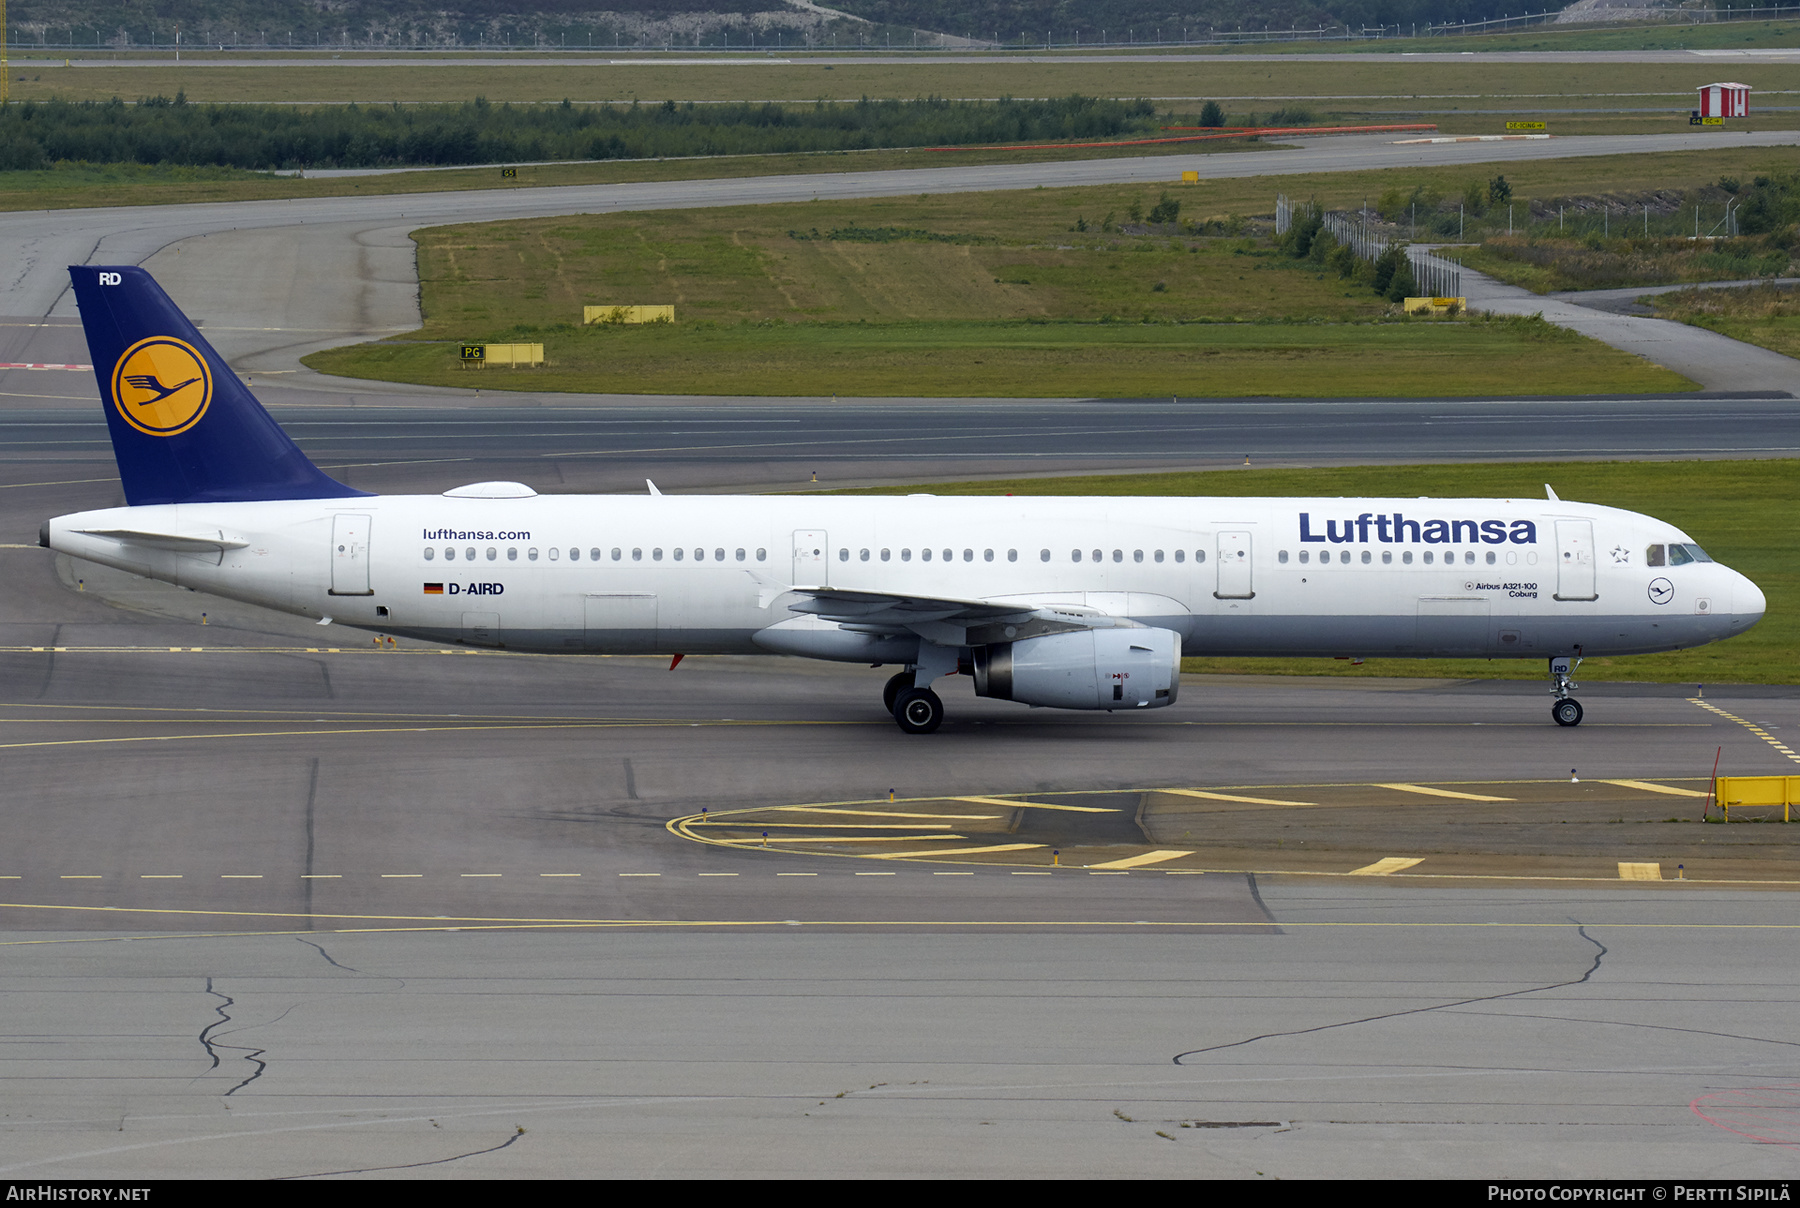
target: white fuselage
<point>715,574</point>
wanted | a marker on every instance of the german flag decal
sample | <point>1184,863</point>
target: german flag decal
<point>434,589</point>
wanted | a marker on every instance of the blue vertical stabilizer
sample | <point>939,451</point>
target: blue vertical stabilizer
<point>184,428</point>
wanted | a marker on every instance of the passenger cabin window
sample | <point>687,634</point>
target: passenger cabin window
<point>969,555</point>
<point>740,555</point>
<point>719,555</point>
<point>554,553</point>
<point>1098,556</point>
<point>1181,555</point>
<point>1282,557</point>
<point>574,555</point>
<point>1366,557</point>
<point>884,555</point>
<point>1387,556</point>
<point>844,555</point>
<point>492,553</point>
<point>762,555</point>
<point>1043,555</point>
<point>1074,555</point>
<point>948,554</point>
<point>658,553</point>
<point>1406,557</point>
<point>1427,557</point>
<point>594,555</point>
<point>924,555</point>
<point>1159,555</point>
<point>430,553</point>
<point>865,555</point>
<point>906,555</point>
<point>637,555</point>
<point>1344,556</point>
<point>470,553</point>
<point>1199,555</point>
<point>1305,556</point>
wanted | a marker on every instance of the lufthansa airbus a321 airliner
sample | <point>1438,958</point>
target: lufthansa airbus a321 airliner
<point>1067,603</point>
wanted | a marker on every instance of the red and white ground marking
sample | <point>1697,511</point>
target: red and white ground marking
<point>1770,1114</point>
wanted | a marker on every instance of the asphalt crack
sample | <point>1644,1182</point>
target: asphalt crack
<point>474,1153</point>
<point>212,1045</point>
<point>1594,967</point>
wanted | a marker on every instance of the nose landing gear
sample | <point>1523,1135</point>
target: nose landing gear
<point>1565,710</point>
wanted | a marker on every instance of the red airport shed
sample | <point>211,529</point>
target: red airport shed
<point>1725,100</point>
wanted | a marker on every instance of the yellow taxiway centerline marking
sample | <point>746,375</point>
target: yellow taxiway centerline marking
<point>1647,787</point>
<point>1231,797</point>
<point>959,851</point>
<point>1430,792</point>
<point>1751,726</point>
<point>753,840</point>
<point>1640,872</point>
<point>1149,857</point>
<point>826,825</point>
<point>1386,867</point>
<point>1035,805</point>
<point>821,809</point>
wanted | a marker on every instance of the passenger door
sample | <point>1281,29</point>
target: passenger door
<point>350,556</point>
<point>1575,575</point>
<point>1234,565</point>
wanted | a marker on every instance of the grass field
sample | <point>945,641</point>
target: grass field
<point>949,295</point>
<point>1548,264</point>
<point>1765,315</point>
<point>1744,513</point>
<point>1349,84</point>
<point>1024,360</point>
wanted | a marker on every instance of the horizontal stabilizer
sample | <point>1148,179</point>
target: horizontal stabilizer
<point>175,541</point>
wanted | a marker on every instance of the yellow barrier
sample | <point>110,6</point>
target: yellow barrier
<point>1757,790</point>
<point>627,314</point>
<point>1435,306</point>
<point>1190,178</point>
<point>481,355</point>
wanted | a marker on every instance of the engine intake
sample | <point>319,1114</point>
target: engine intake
<point>1089,669</point>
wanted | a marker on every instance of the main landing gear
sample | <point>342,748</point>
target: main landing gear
<point>1565,709</point>
<point>917,710</point>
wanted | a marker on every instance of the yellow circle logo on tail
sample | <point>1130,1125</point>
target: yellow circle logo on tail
<point>162,386</point>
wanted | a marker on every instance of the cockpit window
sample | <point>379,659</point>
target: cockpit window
<point>1653,556</point>
<point>1696,553</point>
<point>1679,556</point>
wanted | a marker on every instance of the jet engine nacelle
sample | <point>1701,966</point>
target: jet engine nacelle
<point>1089,669</point>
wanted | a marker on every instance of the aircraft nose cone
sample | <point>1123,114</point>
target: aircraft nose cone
<point>1748,604</point>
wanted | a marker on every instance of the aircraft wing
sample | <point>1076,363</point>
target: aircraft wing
<point>946,620</point>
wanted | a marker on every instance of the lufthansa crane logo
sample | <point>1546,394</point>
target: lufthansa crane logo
<point>162,386</point>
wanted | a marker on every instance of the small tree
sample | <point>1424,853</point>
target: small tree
<point>1475,199</point>
<point>1212,115</point>
<point>1499,192</point>
<point>1166,210</point>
